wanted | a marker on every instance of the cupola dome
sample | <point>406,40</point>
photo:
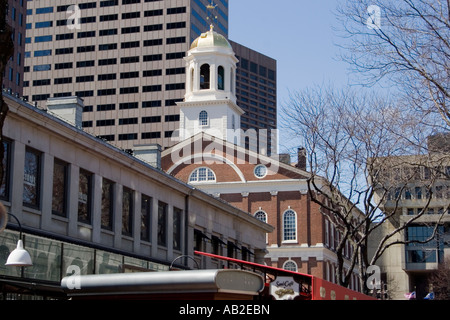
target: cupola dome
<point>209,104</point>
<point>211,39</point>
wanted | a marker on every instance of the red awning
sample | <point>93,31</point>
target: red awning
<point>312,287</point>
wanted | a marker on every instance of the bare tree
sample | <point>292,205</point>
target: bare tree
<point>406,42</point>
<point>356,146</point>
<point>440,281</point>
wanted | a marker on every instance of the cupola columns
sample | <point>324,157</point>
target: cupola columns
<point>210,101</point>
<point>210,68</point>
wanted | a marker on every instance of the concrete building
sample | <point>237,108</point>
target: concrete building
<point>85,204</point>
<point>212,156</point>
<point>415,189</point>
<point>125,59</point>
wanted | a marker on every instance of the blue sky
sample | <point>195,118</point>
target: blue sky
<point>298,34</point>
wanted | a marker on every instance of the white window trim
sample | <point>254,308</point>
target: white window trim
<point>296,229</point>
<point>266,218</point>
<point>259,166</point>
<point>202,182</point>
<point>290,261</point>
<point>200,121</point>
<point>259,210</point>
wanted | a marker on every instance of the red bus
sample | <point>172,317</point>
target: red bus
<point>289,285</point>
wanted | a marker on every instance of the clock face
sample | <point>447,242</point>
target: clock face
<point>260,171</point>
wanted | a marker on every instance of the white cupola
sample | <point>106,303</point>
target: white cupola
<point>210,101</point>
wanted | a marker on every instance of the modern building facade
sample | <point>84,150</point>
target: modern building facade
<point>13,73</point>
<point>256,91</point>
<point>86,205</point>
<point>415,187</point>
<point>212,156</point>
<point>125,59</point>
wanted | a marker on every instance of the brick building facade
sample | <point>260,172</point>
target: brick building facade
<point>303,239</point>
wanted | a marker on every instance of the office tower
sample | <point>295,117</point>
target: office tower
<point>13,73</point>
<point>414,192</point>
<point>256,88</point>
<point>124,58</point>
<point>256,92</point>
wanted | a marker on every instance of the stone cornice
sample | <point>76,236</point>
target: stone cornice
<point>197,103</point>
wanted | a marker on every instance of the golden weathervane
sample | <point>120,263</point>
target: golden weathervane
<point>212,14</point>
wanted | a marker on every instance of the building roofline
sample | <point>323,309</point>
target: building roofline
<point>250,49</point>
<point>231,103</point>
<point>75,133</point>
<point>239,149</point>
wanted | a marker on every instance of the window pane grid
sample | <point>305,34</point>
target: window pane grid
<point>107,204</point>
<point>31,183</point>
<point>261,215</point>
<point>202,175</point>
<point>203,118</point>
<point>290,266</point>
<point>59,195</point>
<point>289,227</point>
<point>84,196</point>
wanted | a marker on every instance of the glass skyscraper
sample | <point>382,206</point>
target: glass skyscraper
<point>124,58</point>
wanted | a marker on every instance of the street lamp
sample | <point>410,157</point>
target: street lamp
<point>184,256</point>
<point>19,257</point>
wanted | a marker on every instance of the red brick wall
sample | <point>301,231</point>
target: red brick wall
<point>310,223</point>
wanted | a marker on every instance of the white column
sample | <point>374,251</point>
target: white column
<point>137,221</point>
<point>117,226</point>
<point>97,208</point>
<point>18,159</point>
<point>154,227</point>
<point>169,235</point>
<point>196,85</point>
<point>72,206</point>
<point>213,76</point>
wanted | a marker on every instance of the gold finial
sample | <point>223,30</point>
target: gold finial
<point>211,14</point>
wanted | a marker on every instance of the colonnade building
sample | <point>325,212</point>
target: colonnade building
<point>83,202</point>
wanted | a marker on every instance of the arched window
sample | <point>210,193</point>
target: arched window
<point>221,78</point>
<point>204,76</point>
<point>289,225</point>
<point>290,266</point>
<point>203,118</point>
<point>202,175</point>
<point>261,215</point>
